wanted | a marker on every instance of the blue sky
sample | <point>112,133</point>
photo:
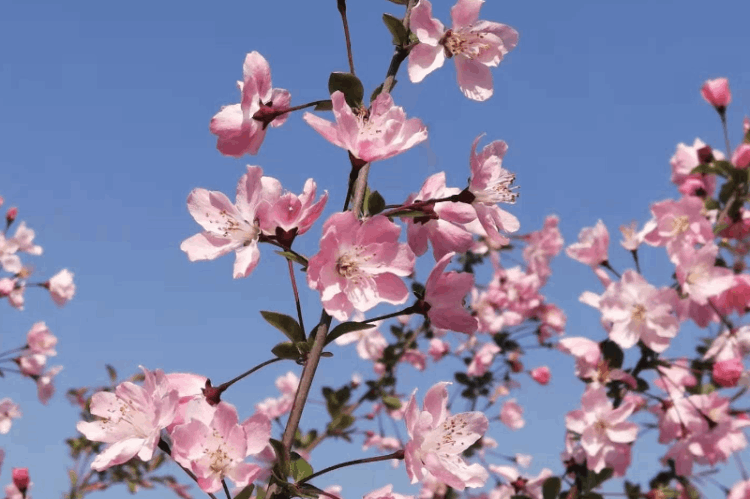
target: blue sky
<point>104,111</point>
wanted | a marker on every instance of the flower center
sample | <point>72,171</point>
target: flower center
<point>680,224</point>
<point>464,43</point>
<point>499,191</point>
<point>638,313</point>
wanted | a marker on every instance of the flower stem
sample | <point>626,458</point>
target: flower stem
<point>407,311</point>
<point>399,454</point>
<point>726,133</point>
<point>342,10</point>
<point>226,489</point>
<point>296,295</point>
<point>229,383</point>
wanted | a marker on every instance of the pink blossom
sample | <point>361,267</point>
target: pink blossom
<point>685,159</point>
<point>228,227</point>
<point>541,246</point>
<point>741,156</point>
<point>359,265</point>
<point>383,444</point>
<point>370,135</point>
<point>445,229</point>
<point>437,441</point>
<point>522,486</point>
<point>40,340</point>
<point>234,125</point>
<point>730,344</point>
<point>8,412</point>
<point>740,490</point>
<point>541,375</point>
<point>12,492</point>
<point>44,387</point>
<point>726,373</point>
<point>602,428</point>
<point>370,342</point>
<point>675,378</point>
<point>444,295</point>
<point>23,240</point>
<point>21,478</point>
<point>698,275</point>
<point>592,246</point>
<point>678,223</point>
<point>31,364</point>
<point>639,311</point>
<point>490,184</point>
<point>511,415</point>
<point>482,359</point>
<point>385,493</point>
<point>523,460</point>
<point>61,287</point>
<point>216,445</point>
<point>631,238</point>
<point>132,419</point>
<point>476,46</point>
<point>438,349</point>
<point>294,215</point>
<point>274,408</point>
<point>716,92</point>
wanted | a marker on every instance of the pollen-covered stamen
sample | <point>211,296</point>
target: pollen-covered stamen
<point>464,42</point>
<point>501,190</point>
<point>229,227</point>
<point>638,313</point>
<point>680,224</point>
<point>348,264</point>
<point>697,274</point>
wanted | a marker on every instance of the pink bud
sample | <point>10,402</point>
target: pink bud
<point>21,479</point>
<point>727,373</point>
<point>716,92</point>
<point>541,375</point>
<point>741,156</point>
<point>11,215</point>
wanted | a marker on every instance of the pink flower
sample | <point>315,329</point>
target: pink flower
<point>215,446</point>
<point>726,373</point>
<point>639,311</point>
<point>684,160</point>
<point>490,184</point>
<point>359,265</point>
<point>741,156</point>
<point>370,135</point>
<point>482,359</point>
<point>438,349</point>
<point>21,478</point>
<point>678,223</point>
<point>541,246</point>
<point>592,246</point>
<point>8,412</point>
<point>698,275</point>
<point>40,340</point>
<point>519,485</point>
<point>740,490</point>
<point>716,92</point>
<point>444,229</point>
<point>61,287</point>
<point>44,387</point>
<point>228,227</point>
<point>444,295</point>
<point>370,342</point>
<point>631,238</point>
<point>385,493</point>
<point>23,240</point>
<point>476,45</point>
<point>511,415</point>
<point>541,375</point>
<point>132,419</point>
<point>238,132</point>
<point>285,212</point>
<point>437,441</point>
<point>602,428</point>
<point>274,408</point>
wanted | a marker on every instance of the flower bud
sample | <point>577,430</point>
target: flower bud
<point>716,92</point>
<point>21,479</point>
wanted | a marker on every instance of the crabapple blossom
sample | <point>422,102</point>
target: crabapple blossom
<point>716,92</point>
<point>698,274</point>
<point>385,493</point>
<point>734,343</point>
<point>369,135</point>
<point>132,419</point>
<point>482,359</point>
<point>726,373</point>
<point>490,184</point>
<point>602,428</point>
<point>592,246</point>
<point>444,295</point>
<point>438,349</point>
<point>12,492</point>
<point>283,211</point>
<point>61,287</point>
<point>437,441</point>
<point>741,156</point>
<point>475,46</point>
<point>520,485</point>
<point>359,265</point>
<point>370,342</point>
<point>238,133</point>
<point>274,408</point>
<point>740,490</point>
<point>8,412</point>
<point>541,246</point>
<point>678,223</point>
<point>631,238</point>
<point>639,311</point>
<point>511,415</point>
<point>228,227</point>
<point>40,340</point>
<point>216,445</point>
<point>446,232</point>
<point>684,160</point>
<point>541,375</point>
<point>590,363</point>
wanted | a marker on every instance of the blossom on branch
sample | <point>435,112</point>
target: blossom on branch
<point>444,296</point>
<point>474,45</point>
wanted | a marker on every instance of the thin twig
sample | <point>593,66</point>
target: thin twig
<point>342,11</point>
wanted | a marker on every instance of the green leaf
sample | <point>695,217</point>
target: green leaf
<point>325,105</point>
<point>301,469</point>
<point>396,27</point>
<point>286,350</point>
<point>711,204</point>
<point>593,480</point>
<point>286,324</point>
<point>347,327</point>
<point>375,203</point>
<point>281,457</point>
<point>376,92</point>
<point>350,85</point>
<point>246,492</point>
<point>341,422</point>
<point>632,491</point>
<point>261,494</point>
<point>726,191</point>
<point>392,402</point>
<point>551,487</point>
<point>293,257</point>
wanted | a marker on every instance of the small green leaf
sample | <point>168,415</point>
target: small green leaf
<point>350,85</point>
<point>286,324</point>
<point>281,457</point>
<point>392,402</point>
<point>286,350</point>
<point>341,422</point>
<point>632,491</point>
<point>551,487</point>
<point>301,469</point>
<point>396,27</point>
<point>347,327</point>
<point>376,92</point>
<point>246,492</point>
<point>325,105</point>
<point>375,203</point>
<point>593,480</point>
<point>293,257</point>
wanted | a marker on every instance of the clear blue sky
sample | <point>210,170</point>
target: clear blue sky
<point>104,111</point>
